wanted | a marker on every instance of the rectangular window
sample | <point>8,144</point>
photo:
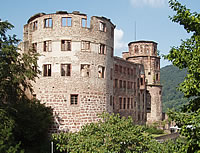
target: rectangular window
<point>84,22</point>
<point>73,99</point>
<point>65,69</point>
<point>128,85</point>
<point>85,70</point>
<point>34,47</point>
<point>124,83</point>
<point>111,101</point>
<point>131,72</point>
<point>131,103</point>
<point>120,69</point>
<point>101,71</point>
<point>131,86</point>
<point>102,49</point>
<point>128,103</point>
<point>112,52</point>
<point>85,46</point>
<point>124,103</point>
<point>47,46</point>
<point>66,21</point>
<point>116,68</point>
<point>102,27</point>
<point>124,70</point>
<point>120,83</point>
<point>47,70</point>
<point>120,102</point>
<point>48,23</point>
<point>65,45</point>
<point>135,103</point>
<point>141,81</point>
<point>128,71</point>
<point>116,83</point>
<point>34,25</point>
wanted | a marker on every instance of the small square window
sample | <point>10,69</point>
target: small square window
<point>34,47</point>
<point>74,99</point>
<point>65,69</point>
<point>65,45</point>
<point>85,46</point>
<point>85,70</point>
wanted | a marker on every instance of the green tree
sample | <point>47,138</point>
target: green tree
<point>7,142</point>
<point>111,134</point>
<point>30,119</point>
<point>16,70</point>
<point>187,55</point>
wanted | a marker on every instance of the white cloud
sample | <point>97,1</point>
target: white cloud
<point>151,3</point>
<point>118,42</point>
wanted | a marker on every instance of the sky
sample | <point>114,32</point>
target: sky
<point>134,19</point>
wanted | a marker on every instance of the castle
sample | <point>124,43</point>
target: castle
<point>80,76</point>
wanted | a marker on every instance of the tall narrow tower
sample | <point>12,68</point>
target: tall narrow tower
<point>145,52</point>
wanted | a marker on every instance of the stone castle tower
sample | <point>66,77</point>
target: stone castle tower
<point>80,76</point>
<point>145,53</point>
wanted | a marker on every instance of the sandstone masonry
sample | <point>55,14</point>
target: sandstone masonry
<point>80,76</point>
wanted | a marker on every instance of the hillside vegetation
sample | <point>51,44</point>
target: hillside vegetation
<point>170,77</point>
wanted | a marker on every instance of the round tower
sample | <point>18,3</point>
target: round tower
<point>76,64</point>
<point>145,52</point>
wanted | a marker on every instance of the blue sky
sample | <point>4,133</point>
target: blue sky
<point>150,16</point>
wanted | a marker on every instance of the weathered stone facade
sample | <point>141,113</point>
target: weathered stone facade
<point>80,77</point>
<point>145,53</point>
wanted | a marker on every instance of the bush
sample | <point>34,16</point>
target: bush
<point>153,130</point>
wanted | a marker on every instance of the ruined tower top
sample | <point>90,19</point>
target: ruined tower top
<point>143,48</point>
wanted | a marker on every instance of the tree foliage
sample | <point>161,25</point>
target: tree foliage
<point>7,142</point>
<point>187,55</point>
<point>170,78</point>
<point>111,134</point>
<point>28,120</point>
